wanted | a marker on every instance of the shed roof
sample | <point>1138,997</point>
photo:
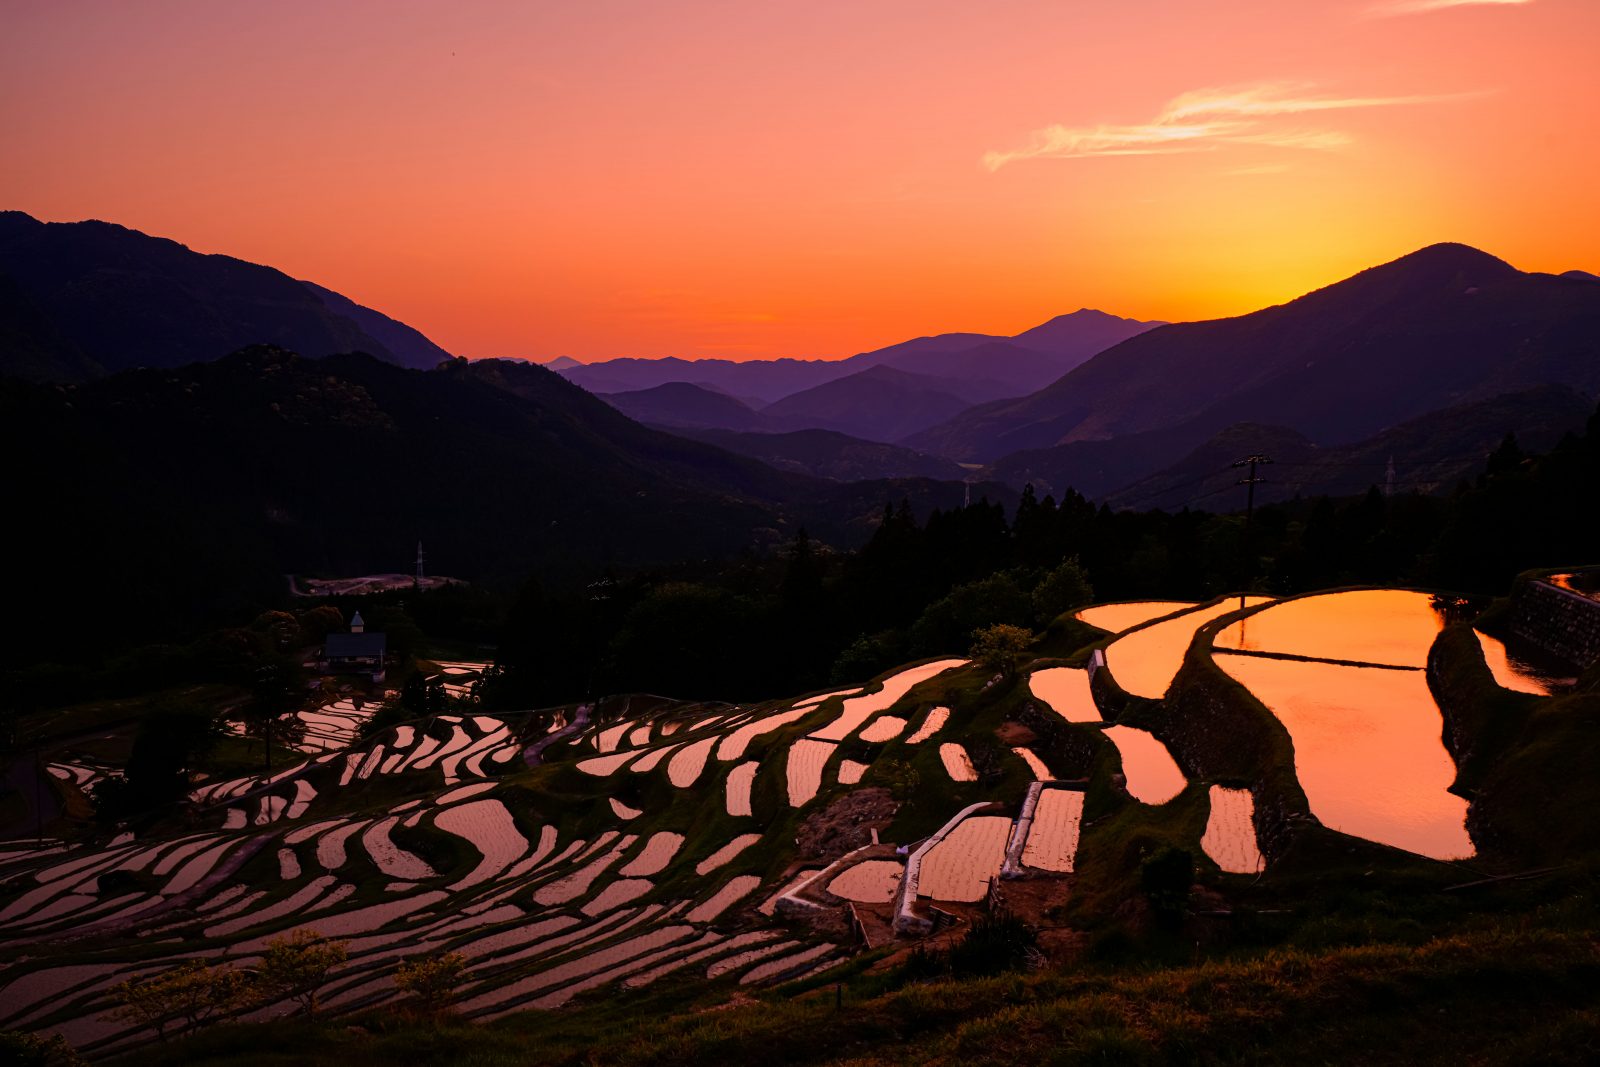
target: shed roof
<point>348,646</point>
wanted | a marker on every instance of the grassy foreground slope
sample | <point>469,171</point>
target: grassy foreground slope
<point>1521,990</point>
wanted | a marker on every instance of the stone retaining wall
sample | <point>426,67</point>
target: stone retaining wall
<point>1557,620</point>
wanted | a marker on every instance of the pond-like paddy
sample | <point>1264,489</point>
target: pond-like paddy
<point>1391,626</point>
<point>1513,672</point>
<point>1152,775</point>
<point>858,710</point>
<point>1115,618</point>
<point>1368,749</point>
<point>1145,661</point>
<point>1066,690</point>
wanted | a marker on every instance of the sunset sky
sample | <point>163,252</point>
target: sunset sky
<point>754,179</point>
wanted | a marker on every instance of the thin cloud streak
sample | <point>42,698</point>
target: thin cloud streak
<point>1423,7</point>
<point>1205,120</point>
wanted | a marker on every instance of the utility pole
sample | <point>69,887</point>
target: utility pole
<point>420,557</point>
<point>1252,461</point>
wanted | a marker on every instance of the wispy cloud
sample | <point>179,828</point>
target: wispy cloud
<point>1207,120</point>
<point>1265,168</point>
<point>1422,7</point>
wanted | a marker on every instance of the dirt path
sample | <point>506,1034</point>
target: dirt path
<point>579,723</point>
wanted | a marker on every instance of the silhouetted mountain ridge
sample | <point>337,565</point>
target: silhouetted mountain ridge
<point>82,299</point>
<point>1445,325</point>
<point>181,494</point>
<point>998,365</point>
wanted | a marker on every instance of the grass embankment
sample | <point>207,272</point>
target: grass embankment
<point>1511,991</point>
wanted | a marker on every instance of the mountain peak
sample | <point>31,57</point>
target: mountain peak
<point>1454,257</point>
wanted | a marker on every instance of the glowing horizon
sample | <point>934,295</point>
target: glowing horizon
<point>710,180</point>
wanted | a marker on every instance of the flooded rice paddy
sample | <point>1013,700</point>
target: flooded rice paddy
<point>960,867</point>
<point>1388,626</point>
<point>1368,750</point>
<point>868,882</point>
<point>1066,691</point>
<point>1145,661</point>
<point>1152,775</point>
<point>1230,837</point>
<point>1117,618</point>
<point>1052,843</point>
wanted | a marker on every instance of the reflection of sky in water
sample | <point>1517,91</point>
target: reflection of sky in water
<point>1066,690</point>
<point>1585,584</point>
<point>1115,618</point>
<point>1368,750</point>
<point>1145,661</point>
<point>1370,626</point>
<point>1153,777</point>
<point>1512,671</point>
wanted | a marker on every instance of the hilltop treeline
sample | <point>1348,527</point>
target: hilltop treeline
<point>810,617</point>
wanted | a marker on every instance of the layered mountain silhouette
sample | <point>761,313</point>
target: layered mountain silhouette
<point>1443,326</point>
<point>826,454</point>
<point>206,483</point>
<point>991,365</point>
<point>83,299</point>
<point>881,403</point>
<point>684,405</point>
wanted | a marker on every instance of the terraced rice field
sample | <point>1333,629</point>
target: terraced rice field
<point>1368,749</point>
<point>1230,837</point>
<point>1041,773</point>
<point>436,835</point>
<point>807,758</point>
<point>725,855</point>
<point>656,854</point>
<point>490,829</point>
<point>1511,673</point>
<point>1066,691</point>
<point>957,764</point>
<point>960,867</point>
<point>1118,618</point>
<point>1145,661</point>
<point>1388,626</point>
<point>883,728</point>
<point>689,761</point>
<point>868,882</point>
<point>734,744</point>
<point>733,891</point>
<point>333,726</point>
<point>738,788</point>
<point>858,710</point>
<point>932,723</point>
<point>1052,843</point>
<point>1152,775</point>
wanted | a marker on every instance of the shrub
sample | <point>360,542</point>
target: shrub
<point>1000,647</point>
<point>192,991</point>
<point>1166,879</point>
<point>298,966</point>
<point>998,942</point>
<point>432,980</point>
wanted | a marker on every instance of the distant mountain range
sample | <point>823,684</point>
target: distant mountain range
<point>1001,366</point>
<point>80,300</point>
<point>1444,326</point>
<point>1431,358</point>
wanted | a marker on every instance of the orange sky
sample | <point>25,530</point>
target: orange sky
<point>742,179</point>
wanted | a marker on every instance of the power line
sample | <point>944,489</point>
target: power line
<point>1254,460</point>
